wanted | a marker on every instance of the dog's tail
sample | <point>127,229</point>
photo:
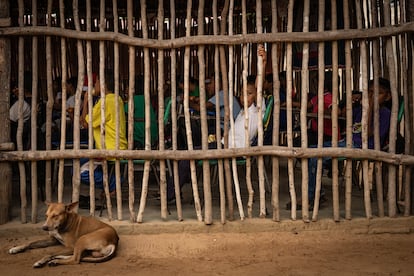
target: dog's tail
<point>108,254</point>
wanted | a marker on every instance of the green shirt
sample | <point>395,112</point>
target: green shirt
<point>139,121</point>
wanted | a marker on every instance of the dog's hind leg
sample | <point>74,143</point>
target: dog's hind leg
<point>98,252</point>
<point>104,254</point>
<point>36,244</point>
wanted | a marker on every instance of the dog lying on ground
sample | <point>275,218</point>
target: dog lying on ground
<point>85,238</point>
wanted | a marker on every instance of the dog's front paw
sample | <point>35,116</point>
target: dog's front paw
<point>38,264</point>
<point>16,249</point>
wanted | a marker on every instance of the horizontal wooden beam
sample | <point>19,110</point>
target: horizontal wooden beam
<point>5,22</point>
<point>350,34</point>
<point>7,146</point>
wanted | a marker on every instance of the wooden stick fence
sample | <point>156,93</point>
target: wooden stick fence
<point>197,44</point>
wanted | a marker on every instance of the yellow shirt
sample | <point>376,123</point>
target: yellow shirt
<point>110,123</point>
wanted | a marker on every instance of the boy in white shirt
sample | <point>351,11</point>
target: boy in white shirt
<point>253,112</point>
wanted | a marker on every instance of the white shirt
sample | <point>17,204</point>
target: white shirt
<point>14,111</point>
<point>239,135</point>
<point>70,102</point>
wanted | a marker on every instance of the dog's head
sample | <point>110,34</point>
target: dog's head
<point>56,215</point>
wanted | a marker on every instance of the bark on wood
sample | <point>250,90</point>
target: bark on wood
<point>275,183</point>
<point>161,107</point>
<point>376,69</point>
<point>356,34</point>
<point>208,207</point>
<point>131,187</point>
<point>260,75</point>
<point>348,164</point>
<point>289,87</point>
<point>174,109</point>
<point>218,125</point>
<point>5,144</point>
<point>145,177</point>
<point>335,126</point>
<point>305,84</point>
<point>33,126</point>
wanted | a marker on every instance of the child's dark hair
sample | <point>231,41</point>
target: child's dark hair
<point>384,83</point>
<point>269,77</point>
<point>73,81</point>
<point>109,80</point>
<point>251,79</point>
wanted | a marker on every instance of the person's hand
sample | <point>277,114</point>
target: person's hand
<point>195,103</point>
<point>83,123</point>
<point>70,111</point>
<point>261,52</point>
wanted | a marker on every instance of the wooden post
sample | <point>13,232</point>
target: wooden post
<point>5,167</point>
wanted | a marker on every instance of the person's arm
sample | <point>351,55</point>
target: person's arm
<point>96,114</point>
<point>261,52</point>
<point>83,121</point>
<point>195,103</point>
<point>370,116</point>
<point>210,106</point>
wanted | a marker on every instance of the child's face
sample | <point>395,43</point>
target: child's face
<point>356,98</point>
<point>383,94</point>
<point>251,95</point>
<point>210,87</point>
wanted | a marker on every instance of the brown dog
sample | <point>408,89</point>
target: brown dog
<point>81,236</point>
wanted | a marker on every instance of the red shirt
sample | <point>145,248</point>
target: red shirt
<point>327,123</point>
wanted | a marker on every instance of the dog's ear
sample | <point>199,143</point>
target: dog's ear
<point>70,207</point>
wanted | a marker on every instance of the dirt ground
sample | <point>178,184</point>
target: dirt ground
<point>263,253</point>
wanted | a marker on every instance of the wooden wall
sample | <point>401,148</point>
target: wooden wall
<point>355,40</point>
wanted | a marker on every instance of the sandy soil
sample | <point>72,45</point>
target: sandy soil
<point>264,253</point>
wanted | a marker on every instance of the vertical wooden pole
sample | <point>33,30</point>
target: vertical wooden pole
<point>208,208</point>
<point>348,82</point>
<point>146,93</point>
<point>174,106</point>
<point>161,104</point>
<point>244,88</point>
<point>63,116</point>
<point>223,70</point>
<point>5,168</point>
<point>289,85</point>
<point>49,108</point>
<point>376,70</point>
<point>364,121</point>
<point>276,114</point>
<point>75,123</point>
<point>102,75</point>
<point>304,100</point>
<point>407,12</point>
<point>34,103</point>
<point>22,169</point>
<point>187,118</point>
<point>131,188</point>
<point>392,204</point>
<point>117,107</point>
<point>89,107</point>
<point>260,75</point>
<point>218,125</point>
<point>230,92</point>
<point>334,115</point>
